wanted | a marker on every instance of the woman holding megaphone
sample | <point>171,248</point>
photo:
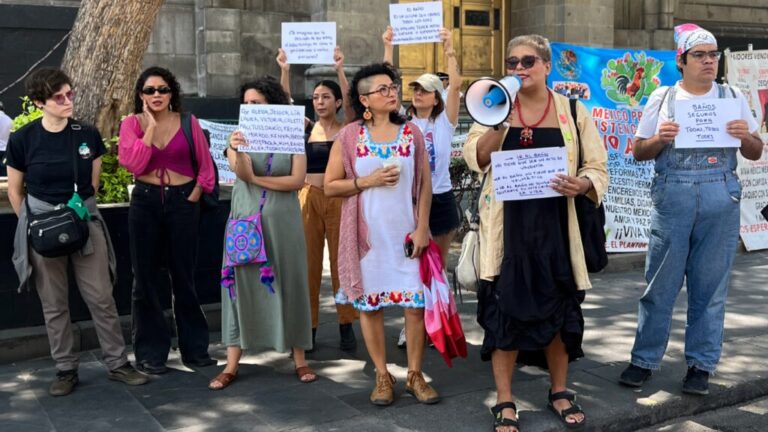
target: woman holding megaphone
<point>532,269</point>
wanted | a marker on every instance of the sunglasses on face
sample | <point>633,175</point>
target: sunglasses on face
<point>62,98</point>
<point>384,91</point>
<point>149,91</point>
<point>701,55</point>
<point>527,61</point>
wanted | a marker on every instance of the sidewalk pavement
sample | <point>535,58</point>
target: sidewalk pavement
<point>268,397</point>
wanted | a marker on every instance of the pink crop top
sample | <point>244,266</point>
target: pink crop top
<point>174,157</point>
<point>140,158</point>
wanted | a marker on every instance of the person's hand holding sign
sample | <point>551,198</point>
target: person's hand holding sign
<point>571,186</point>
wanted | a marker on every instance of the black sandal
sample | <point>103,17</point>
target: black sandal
<point>499,421</point>
<point>563,415</point>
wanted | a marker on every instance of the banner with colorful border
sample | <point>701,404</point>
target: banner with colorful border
<point>614,84</point>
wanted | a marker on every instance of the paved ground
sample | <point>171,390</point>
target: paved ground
<point>268,397</point>
<point>746,417</point>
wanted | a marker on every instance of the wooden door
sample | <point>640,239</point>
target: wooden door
<point>480,28</point>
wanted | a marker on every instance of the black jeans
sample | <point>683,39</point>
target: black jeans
<point>163,227</point>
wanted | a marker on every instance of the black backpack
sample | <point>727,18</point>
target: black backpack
<point>209,200</point>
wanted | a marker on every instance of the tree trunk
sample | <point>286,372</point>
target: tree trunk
<point>104,57</point>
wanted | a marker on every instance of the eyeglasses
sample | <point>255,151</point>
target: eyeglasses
<point>149,91</point>
<point>701,55</point>
<point>384,91</point>
<point>61,99</point>
<point>527,61</point>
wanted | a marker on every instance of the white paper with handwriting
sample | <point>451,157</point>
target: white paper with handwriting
<point>527,174</point>
<point>702,122</point>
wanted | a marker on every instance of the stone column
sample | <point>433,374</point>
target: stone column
<point>587,22</point>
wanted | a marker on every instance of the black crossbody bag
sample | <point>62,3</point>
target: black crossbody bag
<point>61,231</point>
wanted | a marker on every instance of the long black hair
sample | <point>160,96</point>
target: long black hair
<point>334,88</point>
<point>168,77</point>
<point>367,72</point>
<point>269,87</point>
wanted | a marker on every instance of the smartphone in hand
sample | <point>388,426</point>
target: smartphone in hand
<point>408,248</point>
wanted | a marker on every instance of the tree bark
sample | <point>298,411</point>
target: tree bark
<point>104,57</point>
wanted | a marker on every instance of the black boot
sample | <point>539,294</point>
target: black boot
<point>348,341</point>
<point>314,345</point>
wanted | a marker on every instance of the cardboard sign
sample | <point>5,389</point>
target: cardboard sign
<point>309,42</point>
<point>272,128</point>
<point>416,22</point>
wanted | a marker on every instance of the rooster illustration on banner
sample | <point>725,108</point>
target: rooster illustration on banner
<point>629,79</point>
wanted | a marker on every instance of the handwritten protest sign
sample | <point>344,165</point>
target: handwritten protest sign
<point>272,128</point>
<point>416,22</point>
<point>526,174</point>
<point>309,43</point>
<point>219,134</point>
<point>702,123</point>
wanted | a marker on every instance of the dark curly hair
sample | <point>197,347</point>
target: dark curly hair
<point>363,74</point>
<point>43,83</point>
<point>333,87</point>
<point>168,77</point>
<point>269,87</point>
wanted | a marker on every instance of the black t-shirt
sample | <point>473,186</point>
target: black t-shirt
<point>45,158</point>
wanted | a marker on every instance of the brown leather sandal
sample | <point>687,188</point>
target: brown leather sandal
<point>303,371</point>
<point>224,378</point>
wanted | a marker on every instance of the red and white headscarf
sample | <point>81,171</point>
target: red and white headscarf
<point>689,35</point>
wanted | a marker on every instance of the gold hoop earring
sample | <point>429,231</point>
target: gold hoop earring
<point>367,115</point>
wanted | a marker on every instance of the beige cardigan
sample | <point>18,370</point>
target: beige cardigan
<point>492,212</point>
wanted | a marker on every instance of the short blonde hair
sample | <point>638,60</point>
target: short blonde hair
<point>539,43</point>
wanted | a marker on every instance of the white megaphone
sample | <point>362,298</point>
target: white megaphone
<point>489,102</point>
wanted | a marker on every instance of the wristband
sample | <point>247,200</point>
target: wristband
<point>359,189</point>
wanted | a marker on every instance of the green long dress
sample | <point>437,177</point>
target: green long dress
<point>256,319</point>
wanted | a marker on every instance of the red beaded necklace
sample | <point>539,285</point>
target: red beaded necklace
<point>526,136</point>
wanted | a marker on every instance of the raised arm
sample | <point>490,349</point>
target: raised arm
<point>453,101</point>
<point>285,71</point>
<point>389,47</point>
<point>338,65</point>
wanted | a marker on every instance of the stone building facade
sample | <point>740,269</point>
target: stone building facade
<point>214,45</point>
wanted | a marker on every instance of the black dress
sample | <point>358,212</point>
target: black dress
<point>534,297</point>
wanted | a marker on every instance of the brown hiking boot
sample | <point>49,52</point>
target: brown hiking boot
<point>419,388</point>
<point>384,392</point>
<point>64,383</point>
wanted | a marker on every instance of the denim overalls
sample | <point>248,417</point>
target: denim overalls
<point>694,233</point>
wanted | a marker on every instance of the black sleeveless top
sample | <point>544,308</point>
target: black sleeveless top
<point>317,156</point>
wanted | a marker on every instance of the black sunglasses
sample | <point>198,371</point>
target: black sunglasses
<point>149,91</point>
<point>527,61</point>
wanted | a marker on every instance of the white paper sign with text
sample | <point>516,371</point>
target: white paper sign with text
<point>219,141</point>
<point>416,22</point>
<point>309,42</point>
<point>272,128</point>
<point>527,174</point>
<point>702,123</point>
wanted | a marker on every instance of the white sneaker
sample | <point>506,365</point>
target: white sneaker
<point>401,339</point>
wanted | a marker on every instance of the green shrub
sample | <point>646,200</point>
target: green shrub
<point>114,178</point>
<point>29,113</point>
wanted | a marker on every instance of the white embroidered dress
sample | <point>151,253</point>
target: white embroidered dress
<point>389,278</point>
